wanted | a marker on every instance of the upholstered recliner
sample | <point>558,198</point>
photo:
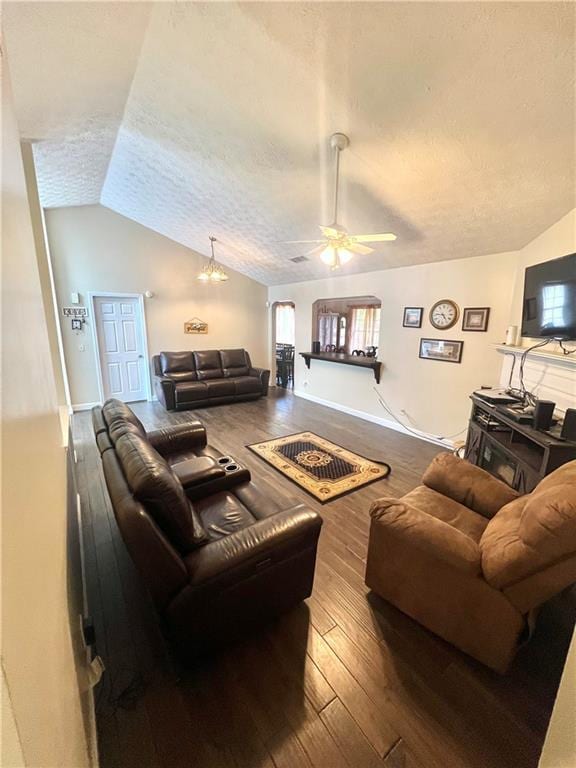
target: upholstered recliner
<point>471,560</point>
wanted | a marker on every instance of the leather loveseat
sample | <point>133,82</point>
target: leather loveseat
<point>216,553</point>
<point>470,559</point>
<point>185,380</point>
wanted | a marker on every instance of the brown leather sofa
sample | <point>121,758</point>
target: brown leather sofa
<point>184,380</point>
<point>216,554</point>
<point>468,558</point>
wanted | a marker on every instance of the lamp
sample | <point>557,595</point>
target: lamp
<point>212,272</point>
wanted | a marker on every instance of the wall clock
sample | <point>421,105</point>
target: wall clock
<point>444,314</point>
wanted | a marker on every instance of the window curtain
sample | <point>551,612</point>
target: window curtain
<point>285,316</point>
<point>327,329</point>
<point>364,327</point>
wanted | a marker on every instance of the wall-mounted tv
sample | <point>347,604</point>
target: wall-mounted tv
<point>549,307</point>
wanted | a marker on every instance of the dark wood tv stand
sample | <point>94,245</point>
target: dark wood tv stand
<point>516,453</point>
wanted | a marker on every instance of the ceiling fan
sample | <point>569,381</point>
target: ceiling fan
<point>338,247</point>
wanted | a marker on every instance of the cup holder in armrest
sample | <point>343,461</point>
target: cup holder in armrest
<point>231,467</point>
<point>224,460</point>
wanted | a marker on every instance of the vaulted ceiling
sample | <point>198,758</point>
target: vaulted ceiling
<point>214,118</point>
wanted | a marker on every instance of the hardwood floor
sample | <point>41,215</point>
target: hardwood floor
<point>345,680</point>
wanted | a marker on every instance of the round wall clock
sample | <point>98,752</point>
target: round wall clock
<point>444,314</point>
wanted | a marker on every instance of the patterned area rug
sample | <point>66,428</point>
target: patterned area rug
<point>323,469</point>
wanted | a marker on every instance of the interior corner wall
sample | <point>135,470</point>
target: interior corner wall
<point>37,651</point>
<point>44,271</point>
<point>95,249</point>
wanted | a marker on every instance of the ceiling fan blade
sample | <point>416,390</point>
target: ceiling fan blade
<point>381,238</point>
<point>362,250</point>
<point>335,230</point>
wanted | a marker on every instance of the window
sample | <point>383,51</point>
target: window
<point>365,327</point>
<point>347,324</point>
<point>285,324</point>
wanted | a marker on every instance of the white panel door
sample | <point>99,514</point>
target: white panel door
<point>120,329</point>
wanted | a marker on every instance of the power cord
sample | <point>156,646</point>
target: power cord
<point>564,350</point>
<point>417,432</point>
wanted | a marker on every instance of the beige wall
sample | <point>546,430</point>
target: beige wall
<point>37,655</point>
<point>433,394</point>
<point>95,249</point>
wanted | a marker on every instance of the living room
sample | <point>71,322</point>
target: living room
<point>289,434</point>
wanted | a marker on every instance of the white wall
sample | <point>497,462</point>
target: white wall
<point>94,249</point>
<point>37,654</point>
<point>433,394</point>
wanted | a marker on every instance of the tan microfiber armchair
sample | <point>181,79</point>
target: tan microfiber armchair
<point>468,558</point>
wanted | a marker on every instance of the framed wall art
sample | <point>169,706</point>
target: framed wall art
<point>443,350</point>
<point>413,317</point>
<point>475,318</point>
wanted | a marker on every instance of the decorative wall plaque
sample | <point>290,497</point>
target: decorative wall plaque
<point>195,326</point>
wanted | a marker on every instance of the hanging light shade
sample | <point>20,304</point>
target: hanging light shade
<point>212,272</point>
<point>335,257</point>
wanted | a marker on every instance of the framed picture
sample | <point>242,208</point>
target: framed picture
<point>444,350</point>
<point>475,318</point>
<point>413,317</point>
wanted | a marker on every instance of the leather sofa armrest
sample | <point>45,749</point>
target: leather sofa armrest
<point>264,375</point>
<point>180,437</point>
<point>254,547</point>
<point>428,534</point>
<point>166,392</point>
<point>468,484</point>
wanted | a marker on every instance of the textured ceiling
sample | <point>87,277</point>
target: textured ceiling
<point>197,119</point>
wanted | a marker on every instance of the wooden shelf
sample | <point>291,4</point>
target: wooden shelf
<point>356,361</point>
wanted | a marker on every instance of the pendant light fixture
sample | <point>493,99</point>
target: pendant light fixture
<point>212,272</point>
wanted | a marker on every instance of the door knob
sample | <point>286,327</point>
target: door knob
<point>140,356</point>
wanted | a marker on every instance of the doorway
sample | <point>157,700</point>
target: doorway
<point>284,327</point>
<point>121,348</point>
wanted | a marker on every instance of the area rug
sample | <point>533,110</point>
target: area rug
<point>323,469</point>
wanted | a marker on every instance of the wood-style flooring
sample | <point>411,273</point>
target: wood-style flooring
<point>345,680</point>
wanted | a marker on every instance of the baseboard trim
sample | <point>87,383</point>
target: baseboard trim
<point>84,406</point>
<point>388,423</point>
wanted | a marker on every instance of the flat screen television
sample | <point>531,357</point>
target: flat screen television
<point>549,306</point>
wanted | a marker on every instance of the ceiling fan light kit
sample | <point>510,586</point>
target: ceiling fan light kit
<point>212,272</point>
<point>339,247</point>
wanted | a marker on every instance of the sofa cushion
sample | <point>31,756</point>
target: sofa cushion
<point>208,364</point>
<point>235,362</point>
<point>246,385</point>
<point>449,511</point>
<point>178,366</point>
<point>220,388</point>
<point>533,532</point>
<point>115,411</point>
<point>223,514</point>
<point>190,391</point>
<point>154,484</point>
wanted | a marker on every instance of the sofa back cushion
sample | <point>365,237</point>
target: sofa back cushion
<point>235,362</point>
<point>208,364</point>
<point>154,484</point>
<point>178,366</point>
<point>117,415</point>
<point>533,532</point>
